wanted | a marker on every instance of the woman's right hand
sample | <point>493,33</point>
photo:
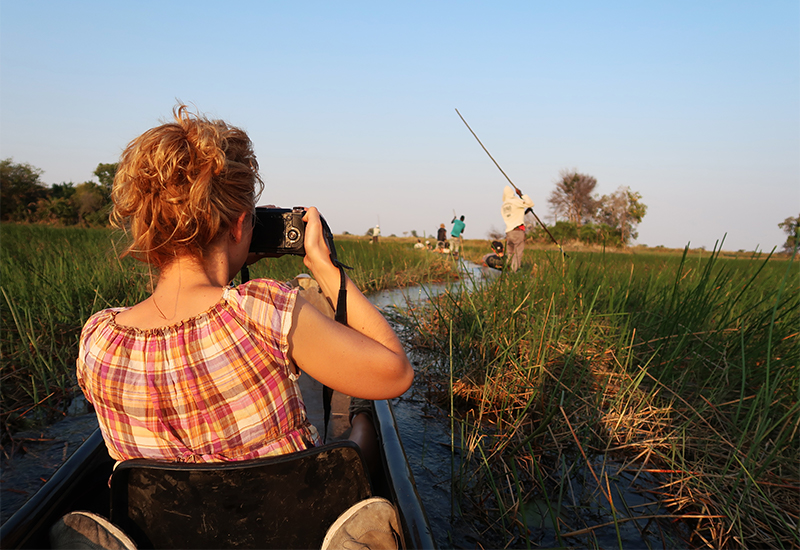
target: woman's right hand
<point>318,256</point>
<point>362,359</point>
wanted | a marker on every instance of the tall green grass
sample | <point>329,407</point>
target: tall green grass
<point>52,279</point>
<point>612,365</point>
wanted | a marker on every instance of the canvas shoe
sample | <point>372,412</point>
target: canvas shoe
<point>370,524</point>
<point>358,406</point>
<point>90,531</point>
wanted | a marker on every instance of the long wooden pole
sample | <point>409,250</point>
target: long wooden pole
<point>511,182</point>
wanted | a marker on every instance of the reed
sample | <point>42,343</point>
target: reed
<point>53,279</point>
<point>580,385</point>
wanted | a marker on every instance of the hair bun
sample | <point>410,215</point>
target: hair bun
<point>181,184</point>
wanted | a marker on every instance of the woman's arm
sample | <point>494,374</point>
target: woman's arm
<point>364,359</point>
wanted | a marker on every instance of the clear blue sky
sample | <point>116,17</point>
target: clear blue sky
<point>351,105</point>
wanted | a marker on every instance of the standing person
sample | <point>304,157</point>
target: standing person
<point>458,230</point>
<point>513,210</point>
<point>204,371</point>
<point>441,236</point>
<point>376,232</point>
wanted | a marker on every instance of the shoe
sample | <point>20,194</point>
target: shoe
<point>370,524</point>
<point>88,530</point>
<point>358,406</point>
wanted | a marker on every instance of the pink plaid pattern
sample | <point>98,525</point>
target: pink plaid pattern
<point>215,387</point>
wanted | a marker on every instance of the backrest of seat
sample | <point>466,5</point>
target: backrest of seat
<point>287,501</point>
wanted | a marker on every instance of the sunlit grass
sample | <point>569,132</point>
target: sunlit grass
<point>575,380</point>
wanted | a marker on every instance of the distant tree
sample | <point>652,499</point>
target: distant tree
<point>562,231</point>
<point>622,210</point>
<point>91,203</point>
<point>572,197</point>
<point>58,210</point>
<point>62,190</point>
<point>791,226</point>
<point>21,189</point>
<point>414,233</point>
<point>58,207</point>
<point>105,174</point>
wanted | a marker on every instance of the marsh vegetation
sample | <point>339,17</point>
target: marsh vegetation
<point>588,397</point>
<point>577,383</point>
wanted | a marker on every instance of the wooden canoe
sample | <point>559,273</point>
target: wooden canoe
<point>82,483</point>
<point>287,502</point>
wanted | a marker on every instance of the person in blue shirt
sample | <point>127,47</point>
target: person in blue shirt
<point>458,229</point>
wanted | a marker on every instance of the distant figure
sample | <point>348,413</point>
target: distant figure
<point>375,234</point>
<point>419,245</point>
<point>513,210</point>
<point>441,234</point>
<point>458,230</point>
<point>427,245</point>
<point>496,258</point>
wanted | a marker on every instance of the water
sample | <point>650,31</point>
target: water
<point>37,456</point>
<point>472,274</point>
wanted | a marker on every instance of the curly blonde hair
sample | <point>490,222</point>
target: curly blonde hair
<point>180,185</point>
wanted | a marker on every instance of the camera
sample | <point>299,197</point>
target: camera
<point>278,231</point>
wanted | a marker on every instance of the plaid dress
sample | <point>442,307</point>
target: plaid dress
<point>216,387</point>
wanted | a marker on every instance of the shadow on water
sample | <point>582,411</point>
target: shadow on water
<point>427,438</point>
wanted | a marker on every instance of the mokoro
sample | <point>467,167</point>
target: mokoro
<point>82,483</point>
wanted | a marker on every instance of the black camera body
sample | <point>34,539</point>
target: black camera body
<point>279,231</point>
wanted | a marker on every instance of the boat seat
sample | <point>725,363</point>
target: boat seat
<point>287,501</point>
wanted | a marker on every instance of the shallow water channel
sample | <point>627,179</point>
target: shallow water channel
<point>426,436</point>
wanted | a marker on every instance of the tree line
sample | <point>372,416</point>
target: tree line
<point>24,197</point>
<point>610,219</point>
<point>590,218</point>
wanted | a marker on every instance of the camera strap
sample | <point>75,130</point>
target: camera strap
<point>340,316</point>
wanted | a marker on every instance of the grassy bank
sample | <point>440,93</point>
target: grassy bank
<point>605,370</point>
<point>52,279</point>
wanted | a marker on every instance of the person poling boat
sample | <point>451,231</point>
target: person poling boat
<point>203,371</point>
<point>528,209</point>
<point>513,210</point>
<point>457,233</point>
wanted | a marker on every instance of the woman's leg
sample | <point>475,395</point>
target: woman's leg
<point>365,436</point>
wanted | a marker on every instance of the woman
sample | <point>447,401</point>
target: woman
<point>201,371</point>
